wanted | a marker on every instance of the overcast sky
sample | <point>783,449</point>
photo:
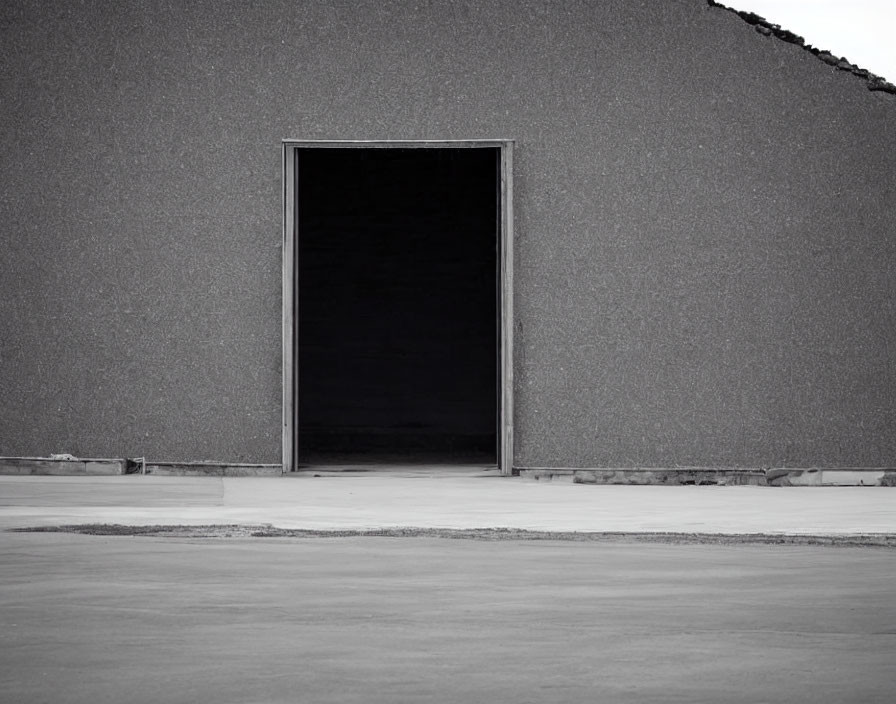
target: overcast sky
<point>864,31</point>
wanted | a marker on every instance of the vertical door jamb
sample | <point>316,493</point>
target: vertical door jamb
<point>505,381</point>
<point>289,424</point>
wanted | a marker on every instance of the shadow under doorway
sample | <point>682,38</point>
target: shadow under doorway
<point>398,305</point>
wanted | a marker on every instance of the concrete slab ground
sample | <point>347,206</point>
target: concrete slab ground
<point>86,619</point>
<point>442,499</point>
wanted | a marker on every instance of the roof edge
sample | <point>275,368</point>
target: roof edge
<point>766,28</point>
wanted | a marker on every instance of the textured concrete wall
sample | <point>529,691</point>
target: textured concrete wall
<point>704,219</point>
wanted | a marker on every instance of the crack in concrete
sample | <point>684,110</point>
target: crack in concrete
<point>882,540</point>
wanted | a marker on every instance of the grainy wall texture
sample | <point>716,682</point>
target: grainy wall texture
<point>704,218</point>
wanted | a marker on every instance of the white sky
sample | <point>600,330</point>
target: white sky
<point>864,31</point>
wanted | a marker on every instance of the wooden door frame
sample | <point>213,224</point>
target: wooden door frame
<point>290,421</point>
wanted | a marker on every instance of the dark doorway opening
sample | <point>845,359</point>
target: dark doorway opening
<point>398,304</point>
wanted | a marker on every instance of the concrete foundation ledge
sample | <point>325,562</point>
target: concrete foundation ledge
<point>69,466</point>
<point>718,476</point>
<point>832,477</point>
<point>212,469</point>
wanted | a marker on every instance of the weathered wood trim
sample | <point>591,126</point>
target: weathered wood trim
<point>505,429</point>
<point>398,143</point>
<point>290,284</point>
<point>288,425</point>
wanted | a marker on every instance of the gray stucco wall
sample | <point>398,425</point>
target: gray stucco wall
<point>704,221</point>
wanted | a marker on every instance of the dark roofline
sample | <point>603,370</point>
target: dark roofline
<point>766,28</point>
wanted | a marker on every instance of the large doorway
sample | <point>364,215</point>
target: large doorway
<point>398,285</point>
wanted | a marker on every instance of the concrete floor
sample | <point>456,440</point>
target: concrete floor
<point>93,619</point>
<point>111,619</point>
<point>443,499</point>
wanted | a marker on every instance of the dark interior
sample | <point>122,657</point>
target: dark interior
<point>397,304</point>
